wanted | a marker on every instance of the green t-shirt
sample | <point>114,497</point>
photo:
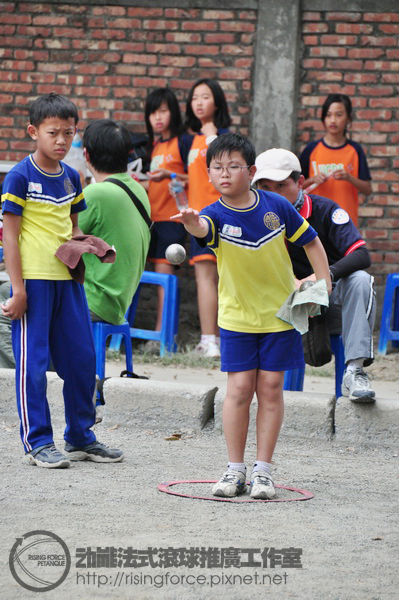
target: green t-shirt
<point>112,216</point>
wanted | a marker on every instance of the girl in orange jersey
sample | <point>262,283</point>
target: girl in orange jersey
<point>335,165</point>
<point>207,116</point>
<point>169,148</point>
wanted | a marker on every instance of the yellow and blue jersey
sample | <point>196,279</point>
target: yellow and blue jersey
<point>45,202</point>
<point>255,270</point>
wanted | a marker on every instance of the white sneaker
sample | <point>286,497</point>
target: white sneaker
<point>262,485</point>
<point>232,483</point>
<point>209,349</point>
<point>356,386</point>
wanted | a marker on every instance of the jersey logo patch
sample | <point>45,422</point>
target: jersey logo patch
<point>35,187</point>
<point>68,186</point>
<point>156,162</point>
<point>232,230</point>
<point>340,216</point>
<point>192,155</point>
<point>271,221</point>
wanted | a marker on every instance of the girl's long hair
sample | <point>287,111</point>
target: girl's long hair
<point>221,118</point>
<point>153,102</point>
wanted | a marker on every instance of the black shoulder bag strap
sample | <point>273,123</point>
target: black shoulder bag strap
<point>134,199</point>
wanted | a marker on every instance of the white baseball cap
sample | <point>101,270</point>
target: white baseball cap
<point>276,164</point>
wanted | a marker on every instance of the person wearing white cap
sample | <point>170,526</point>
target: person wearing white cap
<point>352,302</point>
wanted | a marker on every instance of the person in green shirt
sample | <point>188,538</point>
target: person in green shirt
<point>112,216</point>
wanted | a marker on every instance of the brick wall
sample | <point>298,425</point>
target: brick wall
<point>358,54</point>
<point>107,58</point>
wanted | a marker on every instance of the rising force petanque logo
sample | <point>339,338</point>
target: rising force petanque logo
<point>39,561</point>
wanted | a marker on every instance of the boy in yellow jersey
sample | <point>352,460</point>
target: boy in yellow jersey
<point>42,197</point>
<point>246,229</point>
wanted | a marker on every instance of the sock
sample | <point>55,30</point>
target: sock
<point>260,465</point>
<point>355,364</point>
<point>237,467</point>
<point>208,338</point>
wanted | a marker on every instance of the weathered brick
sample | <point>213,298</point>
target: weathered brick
<point>330,51</point>
<point>343,16</point>
<point>183,38</point>
<point>353,28</point>
<point>199,26</point>
<point>360,77</point>
<point>147,12</point>
<point>365,52</point>
<point>315,27</point>
<point>369,40</point>
<point>380,17</point>
<point>339,40</point>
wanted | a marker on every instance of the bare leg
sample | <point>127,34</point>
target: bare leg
<point>169,270</point>
<point>269,391</point>
<point>240,391</point>
<point>206,277</point>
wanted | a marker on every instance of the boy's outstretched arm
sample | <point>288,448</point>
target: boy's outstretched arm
<point>194,224</point>
<point>318,259</point>
<point>16,306</point>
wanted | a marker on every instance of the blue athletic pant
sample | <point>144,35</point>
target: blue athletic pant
<point>57,325</point>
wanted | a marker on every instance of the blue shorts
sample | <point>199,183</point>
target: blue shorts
<point>280,351</point>
<point>163,234</point>
<point>199,253</point>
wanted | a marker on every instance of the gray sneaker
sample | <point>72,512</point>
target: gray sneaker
<point>356,386</point>
<point>96,451</point>
<point>48,457</point>
<point>232,483</point>
<point>262,485</point>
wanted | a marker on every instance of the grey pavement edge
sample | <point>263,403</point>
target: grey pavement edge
<point>179,406</point>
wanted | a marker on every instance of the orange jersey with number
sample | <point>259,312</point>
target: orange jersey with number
<point>318,157</point>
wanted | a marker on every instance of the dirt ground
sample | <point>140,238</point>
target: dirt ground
<point>345,539</point>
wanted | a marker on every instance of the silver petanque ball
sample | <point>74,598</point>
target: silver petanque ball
<point>175,253</point>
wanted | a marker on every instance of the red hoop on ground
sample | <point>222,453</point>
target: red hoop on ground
<point>165,487</point>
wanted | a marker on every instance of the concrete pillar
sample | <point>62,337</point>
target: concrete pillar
<point>276,74</point>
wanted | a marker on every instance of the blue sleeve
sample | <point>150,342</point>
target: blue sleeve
<point>14,191</point>
<point>364,171</point>
<point>212,238</point>
<point>185,141</point>
<point>304,158</point>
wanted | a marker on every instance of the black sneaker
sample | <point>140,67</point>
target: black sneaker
<point>48,457</point>
<point>96,451</point>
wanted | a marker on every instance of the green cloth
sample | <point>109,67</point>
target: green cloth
<point>112,216</point>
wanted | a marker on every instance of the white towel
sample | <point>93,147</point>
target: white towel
<point>302,304</point>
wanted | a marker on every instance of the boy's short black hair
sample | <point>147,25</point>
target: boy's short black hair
<point>295,175</point>
<point>231,142</point>
<point>108,145</point>
<point>52,105</point>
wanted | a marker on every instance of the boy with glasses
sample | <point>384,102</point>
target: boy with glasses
<point>247,230</point>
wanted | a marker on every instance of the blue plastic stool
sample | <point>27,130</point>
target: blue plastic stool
<point>294,379</point>
<point>390,314</point>
<point>101,331</point>
<point>170,313</point>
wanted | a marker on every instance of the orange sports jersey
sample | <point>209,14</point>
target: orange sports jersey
<point>165,155</point>
<point>201,192</point>
<point>318,157</point>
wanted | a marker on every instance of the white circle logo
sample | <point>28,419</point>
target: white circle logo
<point>340,216</point>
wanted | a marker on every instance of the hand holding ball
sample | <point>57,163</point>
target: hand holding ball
<point>175,254</point>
